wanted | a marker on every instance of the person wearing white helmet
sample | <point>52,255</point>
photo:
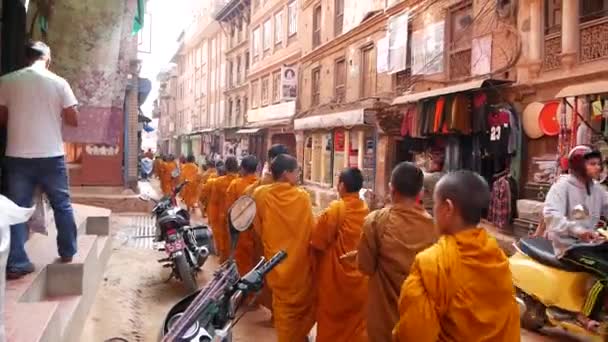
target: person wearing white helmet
<point>577,188</point>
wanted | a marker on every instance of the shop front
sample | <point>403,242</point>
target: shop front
<point>467,126</point>
<point>271,125</point>
<point>333,142</point>
<point>554,121</point>
<point>253,141</point>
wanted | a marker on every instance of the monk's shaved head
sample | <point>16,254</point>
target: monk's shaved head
<point>281,164</point>
<point>277,149</point>
<point>232,165</point>
<point>249,164</point>
<point>352,178</point>
<point>468,192</point>
<point>407,179</point>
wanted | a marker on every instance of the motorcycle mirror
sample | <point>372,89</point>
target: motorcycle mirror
<point>579,212</point>
<point>242,213</point>
<point>144,197</point>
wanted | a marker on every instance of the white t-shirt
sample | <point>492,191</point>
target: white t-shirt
<point>35,98</point>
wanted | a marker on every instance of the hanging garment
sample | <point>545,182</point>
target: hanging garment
<point>453,154</point>
<point>438,114</point>
<point>500,203</point>
<point>517,136</point>
<point>446,118</point>
<point>480,112</point>
<point>461,114</point>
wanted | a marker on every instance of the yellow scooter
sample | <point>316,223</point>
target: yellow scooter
<point>569,292</point>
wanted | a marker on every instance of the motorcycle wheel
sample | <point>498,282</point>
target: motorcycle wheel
<point>535,316</point>
<point>185,273</point>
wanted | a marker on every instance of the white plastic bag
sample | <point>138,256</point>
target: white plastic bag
<point>38,223</point>
<point>10,214</point>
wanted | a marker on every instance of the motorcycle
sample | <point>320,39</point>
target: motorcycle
<point>567,292</point>
<point>210,314</point>
<point>187,247</point>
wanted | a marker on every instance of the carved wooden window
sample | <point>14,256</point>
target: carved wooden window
<point>368,71</point>
<point>265,90</point>
<point>255,95</point>
<point>276,87</point>
<point>593,9</point>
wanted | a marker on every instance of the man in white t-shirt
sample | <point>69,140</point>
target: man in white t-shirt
<point>34,102</point>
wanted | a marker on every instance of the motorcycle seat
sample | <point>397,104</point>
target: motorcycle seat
<point>541,250</point>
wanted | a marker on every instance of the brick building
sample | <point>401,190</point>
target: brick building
<point>200,86</point>
<point>363,66</point>
<point>275,49</point>
<point>234,20</point>
<point>167,110</point>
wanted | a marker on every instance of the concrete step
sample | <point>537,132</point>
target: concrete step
<point>60,294</point>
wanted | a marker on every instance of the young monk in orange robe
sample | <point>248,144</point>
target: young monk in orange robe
<point>189,173</point>
<point>284,221</point>
<point>166,179</point>
<point>341,287</point>
<point>209,202</point>
<point>243,254</point>
<point>208,174</point>
<point>218,196</point>
<point>391,238</point>
<point>265,297</point>
<point>460,289</point>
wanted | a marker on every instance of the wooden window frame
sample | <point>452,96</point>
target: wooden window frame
<point>368,47</point>
<point>255,94</point>
<point>265,102</point>
<point>316,26</point>
<point>266,48</point>
<point>449,49</point>
<point>276,85</point>
<point>339,87</point>
<point>289,21</point>
<point>278,36</point>
<point>338,17</point>
<point>315,87</point>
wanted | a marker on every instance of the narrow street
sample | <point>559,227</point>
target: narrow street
<point>135,295</point>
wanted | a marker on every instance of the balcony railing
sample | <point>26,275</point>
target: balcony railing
<point>552,50</point>
<point>594,40</point>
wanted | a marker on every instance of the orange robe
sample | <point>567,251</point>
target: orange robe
<point>265,297</point>
<point>460,289</point>
<point>189,194</point>
<point>157,167</point>
<point>244,253</point>
<point>284,221</point>
<point>342,288</point>
<point>221,233</point>
<point>166,181</point>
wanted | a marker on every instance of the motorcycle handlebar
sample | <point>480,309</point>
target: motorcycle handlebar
<point>179,188</point>
<point>272,263</point>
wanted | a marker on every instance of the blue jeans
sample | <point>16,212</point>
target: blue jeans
<point>23,176</point>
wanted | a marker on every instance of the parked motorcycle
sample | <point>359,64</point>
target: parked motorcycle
<point>187,247</point>
<point>210,314</point>
<point>568,292</point>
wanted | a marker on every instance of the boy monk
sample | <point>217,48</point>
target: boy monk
<point>391,239</point>
<point>218,196</point>
<point>244,248</point>
<point>460,289</point>
<point>166,177</point>
<point>284,221</point>
<point>189,172</point>
<point>209,173</point>
<point>342,288</point>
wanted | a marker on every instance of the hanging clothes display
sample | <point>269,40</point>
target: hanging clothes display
<point>500,203</point>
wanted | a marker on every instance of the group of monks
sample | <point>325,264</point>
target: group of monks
<point>395,274</point>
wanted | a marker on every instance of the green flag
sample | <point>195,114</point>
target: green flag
<point>138,21</point>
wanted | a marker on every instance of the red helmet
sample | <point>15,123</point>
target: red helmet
<point>577,158</point>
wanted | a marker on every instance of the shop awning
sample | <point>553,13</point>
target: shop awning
<point>457,88</point>
<point>341,119</point>
<point>269,123</point>
<point>589,88</point>
<point>248,130</point>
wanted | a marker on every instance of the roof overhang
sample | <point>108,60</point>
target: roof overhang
<point>347,118</point>
<point>457,88</point>
<point>588,88</point>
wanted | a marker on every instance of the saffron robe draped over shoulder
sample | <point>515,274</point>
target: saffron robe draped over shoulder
<point>166,179</point>
<point>342,288</point>
<point>189,173</point>
<point>284,221</point>
<point>218,199</point>
<point>391,239</point>
<point>460,289</point>
<point>244,253</point>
